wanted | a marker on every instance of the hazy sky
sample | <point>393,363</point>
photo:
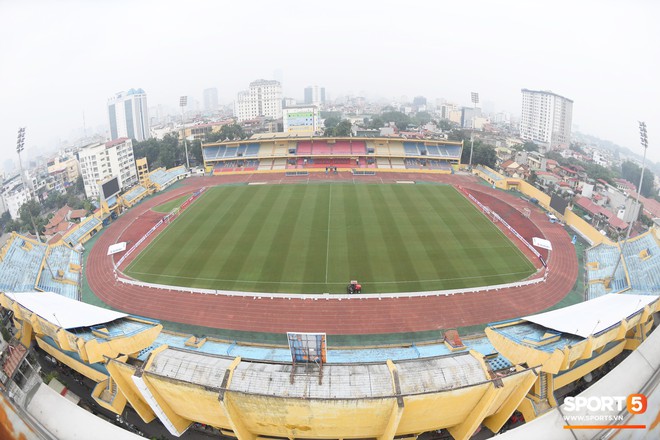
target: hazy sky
<point>61,59</point>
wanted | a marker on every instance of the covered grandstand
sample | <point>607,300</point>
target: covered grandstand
<point>271,153</point>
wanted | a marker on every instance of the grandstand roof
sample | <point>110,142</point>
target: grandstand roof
<point>64,312</point>
<point>340,381</point>
<point>591,317</point>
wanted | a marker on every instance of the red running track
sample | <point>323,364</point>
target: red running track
<point>359,315</point>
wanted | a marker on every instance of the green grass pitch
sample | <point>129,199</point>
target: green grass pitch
<point>314,238</point>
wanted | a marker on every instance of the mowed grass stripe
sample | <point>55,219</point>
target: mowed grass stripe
<point>275,239</point>
<point>203,250</point>
<point>394,243</point>
<point>297,240</point>
<point>249,231</point>
<point>413,205</point>
<point>353,254</point>
<point>314,250</point>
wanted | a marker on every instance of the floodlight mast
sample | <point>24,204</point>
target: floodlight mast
<point>183,101</point>
<point>644,141</point>
<point>20,146</point>
<point>475,101</point>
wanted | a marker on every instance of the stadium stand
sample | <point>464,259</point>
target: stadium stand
<point>489,173</point>
<point>601,260</point>
<point>304,148</point>
<point>438,165</point>
<point>397,163</point>
<point>341,148</point>
<point>321,149</point>
<point>20,264</point>
<point>358,148</point>
<point>134,194</point>
<point>279,164</point>
<point>410,149</point>
<point>252,150</point>
<point>211,152</point>
<point>79,233</point>
<point>642,256</point>
<point>163,178</point>
<point>381,153</point>
<point>61,272</point>
<point>236,165</point>
<point>412,163</point>
<point>641,263</point>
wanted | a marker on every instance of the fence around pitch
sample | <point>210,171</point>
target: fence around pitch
<point>509,227</point>
<point>327,296</point>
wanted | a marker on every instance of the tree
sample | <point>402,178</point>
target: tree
<point>481,155</point>
<point>633,172</point>
<point>530,146</point>
<point>167,152</point>
<point>54,200</point>
<point>532,177</point>
<point>195,150</point>
<point>331,124</point>
<point>376,123</point>
<point>445,124</point>
<point>5,219</point>
<point>401,120</point>
<point>422,118</point>
<point>343,128</point>
<point>29,216</point>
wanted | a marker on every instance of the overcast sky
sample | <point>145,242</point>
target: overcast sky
<point>61,59</point>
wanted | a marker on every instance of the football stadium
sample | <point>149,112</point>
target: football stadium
<point>340,288</point>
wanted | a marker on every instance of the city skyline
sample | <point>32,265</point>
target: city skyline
<point>492,49</point>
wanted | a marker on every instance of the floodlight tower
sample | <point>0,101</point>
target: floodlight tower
<point>20,146</point>
<point>643,138</point>
<point>183,101</point>
<point>475,101</point>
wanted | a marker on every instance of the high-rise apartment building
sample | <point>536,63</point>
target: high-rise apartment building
<point>210,99</point>
<point>102,160</point>
<point>314,95</point>
<point>128,115</point>
<point>546,119</point>
<point>262,99</point>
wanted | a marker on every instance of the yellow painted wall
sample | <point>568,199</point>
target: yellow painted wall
<point>81,368</point>
<point>574,220</point>
<point>587,367</point>
<point>121,373</point>
<point>531,191</point>
<point>97,350</point>
<point>312,418</point>
<point>284,417</point>
<point>190,401</point>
